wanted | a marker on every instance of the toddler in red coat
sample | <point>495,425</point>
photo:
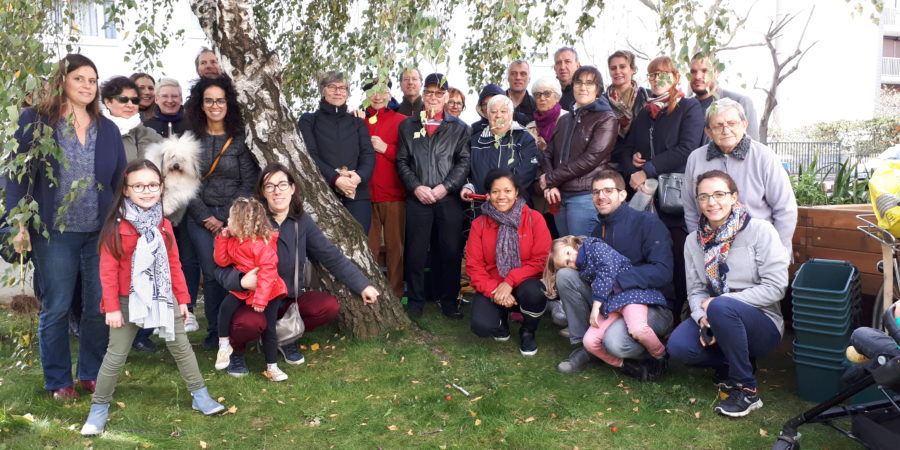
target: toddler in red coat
<point>250,242</point>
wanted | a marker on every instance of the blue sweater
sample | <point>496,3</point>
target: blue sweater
<point>642,238</point>
<point>109,163</point>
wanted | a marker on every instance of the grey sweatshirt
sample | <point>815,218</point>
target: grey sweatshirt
<point>757,267</point>
<point>765,189</point>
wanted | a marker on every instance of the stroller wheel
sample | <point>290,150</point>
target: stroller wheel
<point>786,443</point>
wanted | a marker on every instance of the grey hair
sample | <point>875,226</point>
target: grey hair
<point>518,61</point>
<point>202,51</point>
<point>565,49</point>
<point>165,81</point>
<point>332,76</point>
<point>500,99</point>
<point>724,104</point>
<point>550,83</point>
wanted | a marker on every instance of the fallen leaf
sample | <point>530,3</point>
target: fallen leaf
<point>692,400</point>
<point>635,400</point>
<point>203,444</point>
<point>220,399</point>
<point>530,419</point>
<point>477,422</point>
<point>127,373</point>
<point>231,410</point>
<point>409,432</point>
<point>314,347</point>
<point>392,428</point>
<point>552,415</point>
<point>763,433</point>
<point>475,399</point>
<point>315,422</point>
<point>121,404</point>
<point>332,416</point>
<point>472,413</point>
<point>697,414</point>
<point>635,409</point>
<point>303,347</point>
<point>280,402</point>
<point>402,358</point>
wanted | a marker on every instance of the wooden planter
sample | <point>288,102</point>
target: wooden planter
<point>829,232</point>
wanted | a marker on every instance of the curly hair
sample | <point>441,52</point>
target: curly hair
<point>549,277</point>
<point>115,85</point>
<point>234,122</point>
<point>247,219</point>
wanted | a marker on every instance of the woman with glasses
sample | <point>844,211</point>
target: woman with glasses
<point>456,103</point>
<point>662,136</point>
<point>71,213</point>
<point>340,145</point>
<point>298,239</point>
<point>120,96</point>
<point>228,171</point>
<point>546,92</point>
<point>167,116</point>
<point>737,274</point>
<point>624,94</point>
<point>580,148</point>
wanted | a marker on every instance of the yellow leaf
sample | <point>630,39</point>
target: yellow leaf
<point>763,433</point>
<point>220,399</point>
<point>635,409</point>
<point>472,413</point>
<point>409,432</point>
<point>231,410</point>
<point>121,404</point>
<point>280,402</point>
<point>697,414</point>
<point>692,400</point>
<point>303,347</point>
<point>475,399</point>
<point>392,428</point>
<point>635,400</point>
<point>203,444</point>
<point>477,422</point>
<point>314,347</point>
<point>530,419</point>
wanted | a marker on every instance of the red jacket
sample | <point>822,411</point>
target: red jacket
<point>481,248</point>
<point>115,274</point>
<point>385,185</point>
<point>247,255</point>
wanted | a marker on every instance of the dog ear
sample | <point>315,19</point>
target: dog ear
<point>154,154</point>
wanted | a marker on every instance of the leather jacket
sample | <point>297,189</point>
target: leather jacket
<point>442,158</point>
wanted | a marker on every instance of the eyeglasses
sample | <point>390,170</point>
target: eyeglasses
<point>430,93</point>
<point>718,196</point>
<point>283,186</point>
<point>337,88</point>
<point>138,188</point>
<point>608,192</point>
<point>656,75</point>
<point>220,102</point>
<point>720,128</point>
<point>584,83</point>
<point>124,99</point>
<point>547,94</point>
<point>456,104</point>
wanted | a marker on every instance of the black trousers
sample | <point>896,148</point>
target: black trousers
<point>446,218</point>
<point>231,303</point>
<point>490,319</point>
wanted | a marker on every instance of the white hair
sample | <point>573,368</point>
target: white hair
<point>724,104</point>
<point>545,83</point>
<point>168,82</point>
<point>500,99</point>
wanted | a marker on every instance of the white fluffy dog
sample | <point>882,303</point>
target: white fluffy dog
<point>177,159</point>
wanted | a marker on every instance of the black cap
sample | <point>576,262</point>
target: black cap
<point>372,84</point>
<point>437,79</point>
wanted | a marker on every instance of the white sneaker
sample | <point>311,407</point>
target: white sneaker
<point>275,374</point>
<point>190,324</point>
<point>223,357</point>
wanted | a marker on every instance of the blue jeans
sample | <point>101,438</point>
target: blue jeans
<point>577,216</point>
<point>57,262</point>
<point>213,292</point>
<point>742,332</point>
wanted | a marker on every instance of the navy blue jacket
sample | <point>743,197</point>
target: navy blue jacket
<point>335,138</point>
<point>109,163</point>
<point>517,152</point>
<point>642,238</point>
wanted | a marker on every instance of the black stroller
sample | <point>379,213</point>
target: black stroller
<point>876,424</point>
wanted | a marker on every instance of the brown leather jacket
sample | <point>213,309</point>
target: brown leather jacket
<point>581,147</point>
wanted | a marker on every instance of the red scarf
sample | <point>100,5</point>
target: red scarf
<point>433,122</point>
<point>657,104</point>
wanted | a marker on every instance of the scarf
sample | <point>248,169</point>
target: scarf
<point>168,118</point>
<point>657,104</point>
<point>507,236</point>
<point>546,122</point>
<point>740,151</point>
<point>124,125</point>
<point>151,303</point>
<point>622,107</point>
<point>716,243</point>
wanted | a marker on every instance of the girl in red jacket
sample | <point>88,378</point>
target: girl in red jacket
<point>143,287</point>
<point>248,243</point>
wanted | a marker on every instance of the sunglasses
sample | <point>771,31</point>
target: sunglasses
<point>124,99</point>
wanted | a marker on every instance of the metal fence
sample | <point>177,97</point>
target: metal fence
<point>796,156</point>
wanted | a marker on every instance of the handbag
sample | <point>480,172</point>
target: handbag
<point>290,326</point>
<point>668,193</point>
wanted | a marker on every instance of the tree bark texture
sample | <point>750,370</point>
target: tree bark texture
<point>272,135</point>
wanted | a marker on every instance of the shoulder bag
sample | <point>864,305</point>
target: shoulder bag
<point>290,327</point>
<point>668,194</point>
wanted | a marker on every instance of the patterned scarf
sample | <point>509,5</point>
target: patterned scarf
<point>508,235</point>
<point>657,104</point>
<point>546,122</point>
<point>622,107</point>
<point>740,151</point>
<point>715,243</point>
<point>151,303</point>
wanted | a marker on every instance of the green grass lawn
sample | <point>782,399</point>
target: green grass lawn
<point>395,392</point>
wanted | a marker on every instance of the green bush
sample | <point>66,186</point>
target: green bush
<point>863,137</point>
<point>850,186</point>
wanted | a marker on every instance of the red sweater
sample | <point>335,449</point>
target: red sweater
<point>247,255</point>
<point>115,274</point>
<point>481,252</point>
<point>385,184</point>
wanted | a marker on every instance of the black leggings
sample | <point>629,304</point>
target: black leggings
<point>230,304</point>
<point>490,319</point>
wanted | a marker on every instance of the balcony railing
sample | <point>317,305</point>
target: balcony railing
<point>890,67</point>
<point>889,17</point>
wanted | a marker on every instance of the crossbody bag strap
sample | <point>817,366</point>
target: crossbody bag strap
<point>216,162</point>
<point>296,259</point>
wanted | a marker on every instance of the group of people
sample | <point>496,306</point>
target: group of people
<point>558,162</point>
